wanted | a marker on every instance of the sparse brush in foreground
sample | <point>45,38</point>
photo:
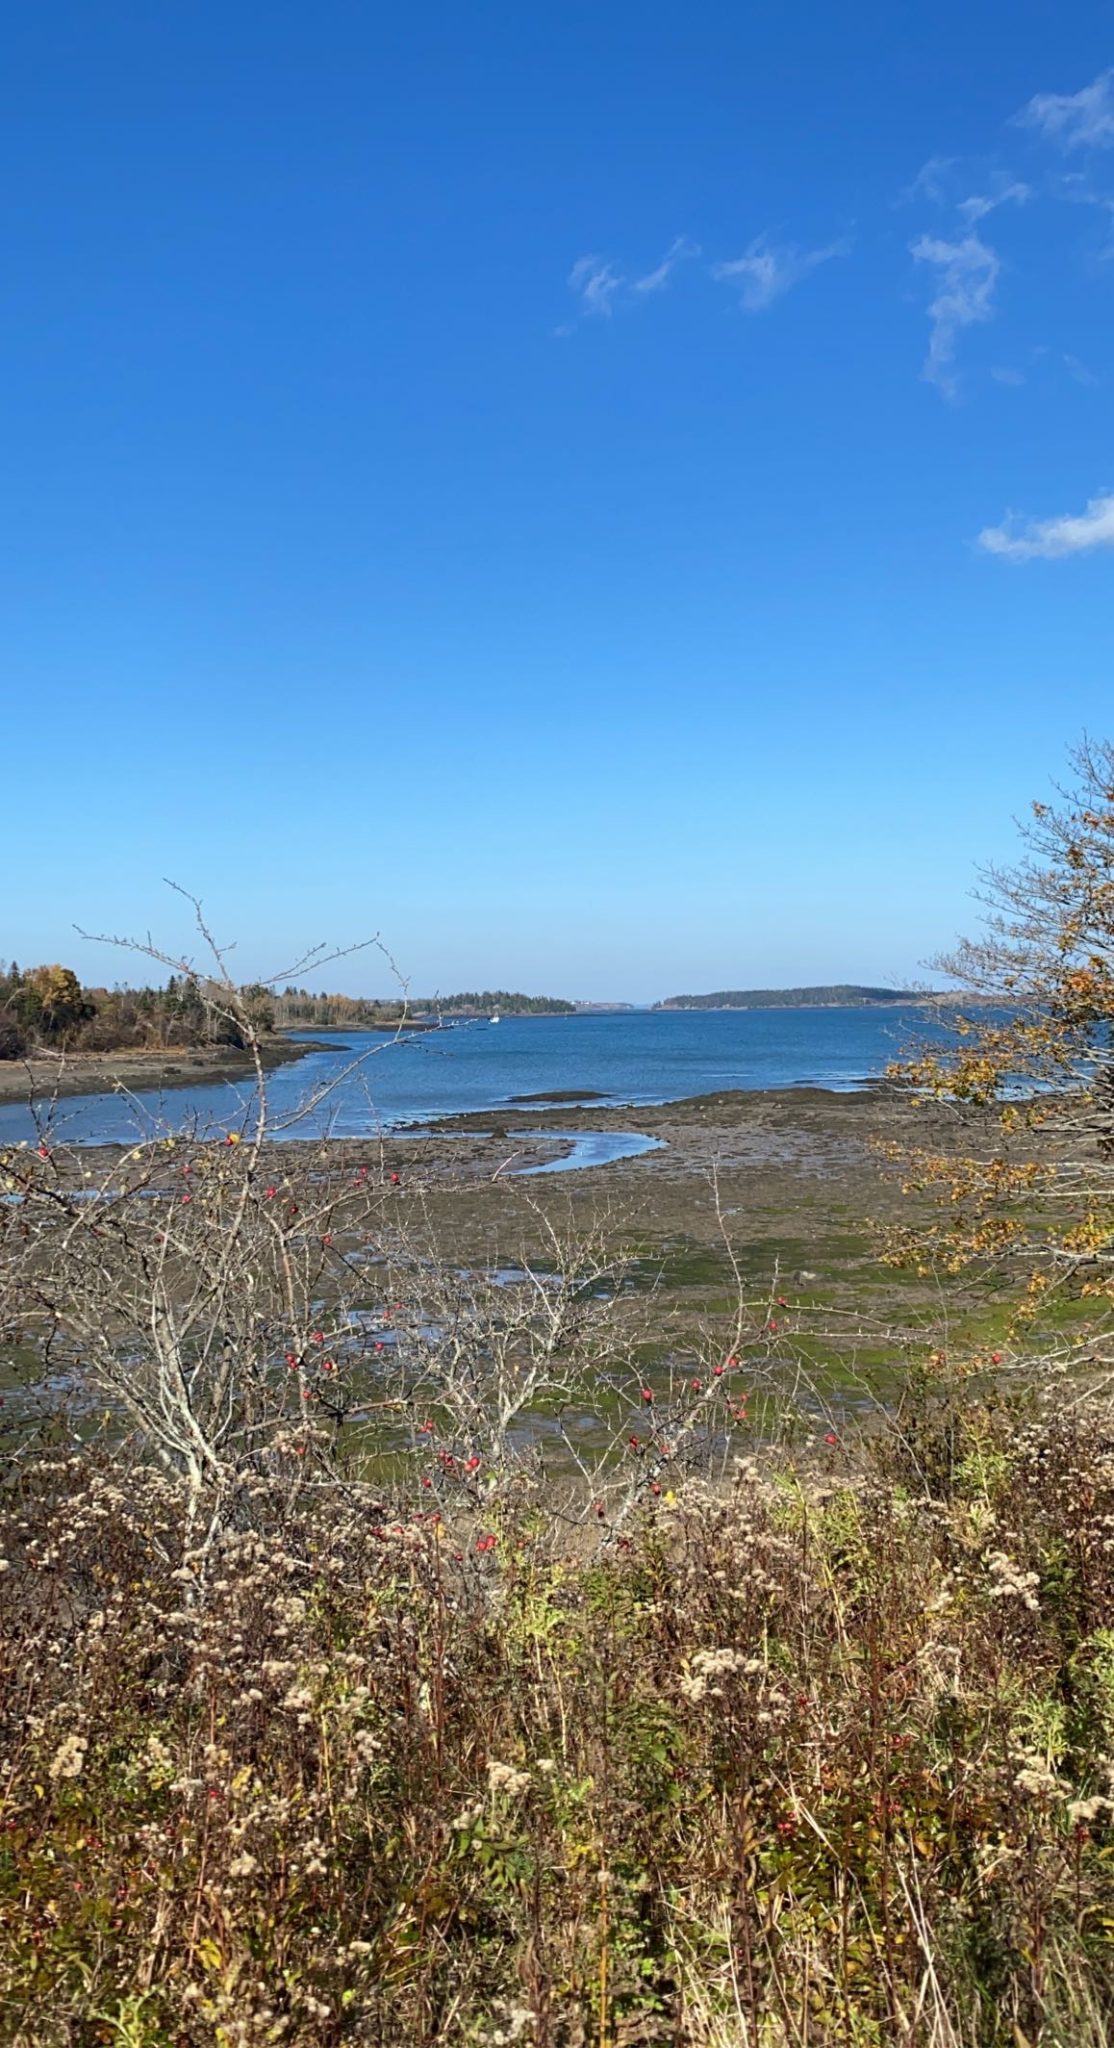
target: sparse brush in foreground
<point>822,1760</point>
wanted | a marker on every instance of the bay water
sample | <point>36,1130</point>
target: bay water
<point>364,1082</point>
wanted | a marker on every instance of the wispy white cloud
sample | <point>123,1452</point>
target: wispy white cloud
<point>595,281</point>
<point>979,204</point>
<point>968,272</point>
<point>967,266</point>
<point>933,181</point>
<point>599,286</point>
<point>678,250</point>
<point>1051,539</point>
<point>1075,120</point>
<point>766,270</point>
<point>1048,362</point>
<point>962,251</point>
<point>944,180</point>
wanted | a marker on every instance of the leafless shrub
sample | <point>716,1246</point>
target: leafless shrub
<point>801,1761</point>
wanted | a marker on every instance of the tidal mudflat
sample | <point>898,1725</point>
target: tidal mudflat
<point>779,1197</point>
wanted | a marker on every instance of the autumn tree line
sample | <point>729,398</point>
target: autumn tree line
<point>46,1009</point>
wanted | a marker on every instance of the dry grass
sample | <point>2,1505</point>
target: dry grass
<point>821,1758</point>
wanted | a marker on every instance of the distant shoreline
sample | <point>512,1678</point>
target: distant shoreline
<point>732,1009</point>
<point>139,1070</point>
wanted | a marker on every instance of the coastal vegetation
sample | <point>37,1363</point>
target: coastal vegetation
<point>504,1002</point>
<point>298,1008</point>
<point>833,996</point>
<point>1028,1071</point>
<point>47,1009</point>
<point>822,1756</point>
<point>353,1691</point>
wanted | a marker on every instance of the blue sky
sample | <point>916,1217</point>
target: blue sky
<point>617,499</point>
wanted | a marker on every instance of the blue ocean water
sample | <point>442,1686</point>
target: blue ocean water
<point>620,1057</point>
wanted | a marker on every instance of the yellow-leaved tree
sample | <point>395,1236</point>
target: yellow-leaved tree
<point>1023,1177</point>
<point>53,1002</point>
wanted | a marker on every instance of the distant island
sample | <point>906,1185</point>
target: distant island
<point>833,996</point>
<point>298,1008</point>
<point>494,1001</point>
